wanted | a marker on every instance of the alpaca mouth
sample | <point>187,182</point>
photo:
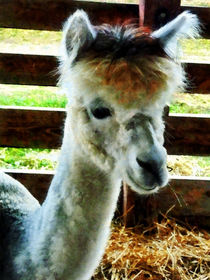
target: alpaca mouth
<point>140,185</point>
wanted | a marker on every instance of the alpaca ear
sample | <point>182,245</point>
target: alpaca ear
<point>186,25</point>
<point>78,33</point>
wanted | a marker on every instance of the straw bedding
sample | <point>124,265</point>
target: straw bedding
<point>165,250</point>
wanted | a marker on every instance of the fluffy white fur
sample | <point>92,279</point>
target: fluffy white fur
<point>64,239</point>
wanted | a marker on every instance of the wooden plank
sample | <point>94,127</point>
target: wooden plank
<point>199,77</point>
<point>185,196</point>
<point>28,69</point>
<point>37,14</point>
<point>41,70</point>
<point>187,134</point>
<point>31,127</point>
<point>50,15</point>
<point>42,128</point>
<point>36,181</point>
<point>155,13</point>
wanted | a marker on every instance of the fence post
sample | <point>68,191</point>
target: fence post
<point>128,205</point>
<point>155,13</point>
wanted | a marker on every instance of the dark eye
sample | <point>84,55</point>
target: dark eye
<point>101,113</point>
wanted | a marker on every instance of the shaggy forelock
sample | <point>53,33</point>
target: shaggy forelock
<point>116,42</point>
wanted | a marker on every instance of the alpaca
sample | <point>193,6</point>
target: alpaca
<point>118,80</point>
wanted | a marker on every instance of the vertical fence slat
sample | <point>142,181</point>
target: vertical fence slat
<point>128,206</point>
<point>155,13</point>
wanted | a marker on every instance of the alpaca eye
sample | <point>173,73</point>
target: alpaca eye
<point>101,113</point>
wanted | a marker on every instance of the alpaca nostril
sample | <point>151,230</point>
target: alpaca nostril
<point>152,168</point>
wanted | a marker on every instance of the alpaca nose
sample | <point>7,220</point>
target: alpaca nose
<point>153,172</point>
<point>153,163</point>
<point>153,168</point>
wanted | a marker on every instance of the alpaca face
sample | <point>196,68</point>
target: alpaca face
<point>128,140</point>
<point>119,80</point>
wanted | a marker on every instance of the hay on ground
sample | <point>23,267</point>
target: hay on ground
<point>165,250</point>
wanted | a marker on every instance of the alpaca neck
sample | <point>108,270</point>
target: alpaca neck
<point>73,224</point>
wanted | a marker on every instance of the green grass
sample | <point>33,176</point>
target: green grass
<point>13,158</point>
<point>204,3</point>
<point>191,104</point>
<point>33,96</point>
<point>196,50</point>
<point>29,41</point>
<point>21,36</point>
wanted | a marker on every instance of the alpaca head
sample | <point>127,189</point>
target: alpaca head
<point>118,80</point>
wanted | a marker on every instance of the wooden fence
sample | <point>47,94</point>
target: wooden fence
<point>42,128</point>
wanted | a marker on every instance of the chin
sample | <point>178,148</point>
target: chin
<point>144,188</point>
